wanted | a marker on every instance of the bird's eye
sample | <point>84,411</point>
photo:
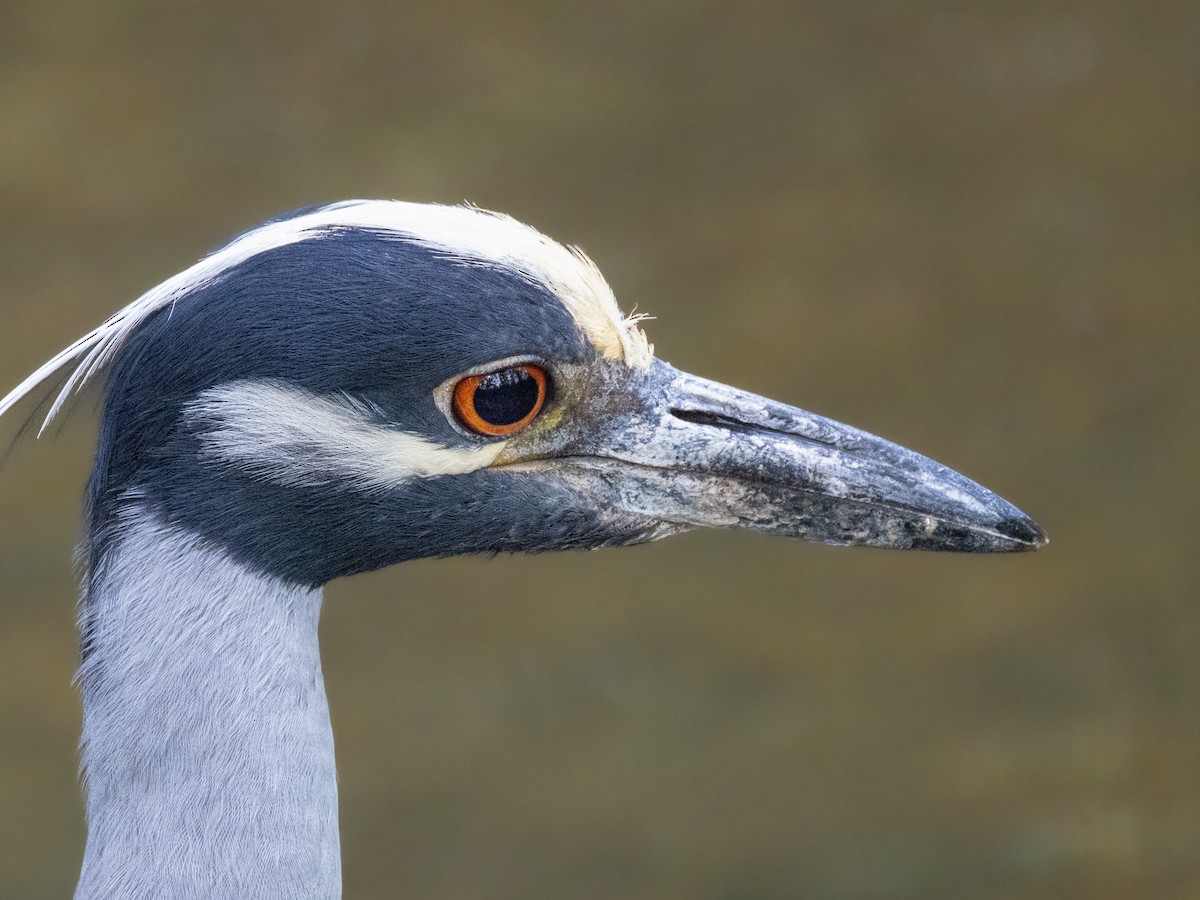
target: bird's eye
<point>500,403</point>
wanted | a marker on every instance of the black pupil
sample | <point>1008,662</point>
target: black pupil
<point>505,397</point>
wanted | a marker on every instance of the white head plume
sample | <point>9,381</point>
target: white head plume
<point>464,232</point>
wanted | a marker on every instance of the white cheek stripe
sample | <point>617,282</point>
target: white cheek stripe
<point>464,232</point>
<point>291,437</point>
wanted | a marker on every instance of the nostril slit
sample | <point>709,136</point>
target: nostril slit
<point>713,420</point>
<point>717,420</point>
<point>699,417</point>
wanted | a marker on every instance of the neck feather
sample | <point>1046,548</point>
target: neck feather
<point>207,748</point>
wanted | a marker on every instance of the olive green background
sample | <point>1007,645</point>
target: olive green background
<point>972,228</point>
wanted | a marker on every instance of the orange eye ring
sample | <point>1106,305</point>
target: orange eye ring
<point>510,398</point>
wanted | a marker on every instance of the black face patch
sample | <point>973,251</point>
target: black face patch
<point>372,316</point>
<point>309,535</point>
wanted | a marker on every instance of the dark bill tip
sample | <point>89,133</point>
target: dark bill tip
<point>1025,533</point>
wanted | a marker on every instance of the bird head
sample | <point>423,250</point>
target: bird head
<point>365,383</point>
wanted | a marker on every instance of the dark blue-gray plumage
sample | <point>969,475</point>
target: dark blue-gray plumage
<point>352,386</point>
<point>351,312</point>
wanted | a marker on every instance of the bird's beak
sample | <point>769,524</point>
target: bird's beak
<point>691,452</point>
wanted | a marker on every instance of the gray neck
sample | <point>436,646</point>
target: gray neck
<point>206,741</point>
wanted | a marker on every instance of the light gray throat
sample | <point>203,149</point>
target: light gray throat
<point>207,749</point>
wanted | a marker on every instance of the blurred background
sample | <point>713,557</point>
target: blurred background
<point>972,228</point>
